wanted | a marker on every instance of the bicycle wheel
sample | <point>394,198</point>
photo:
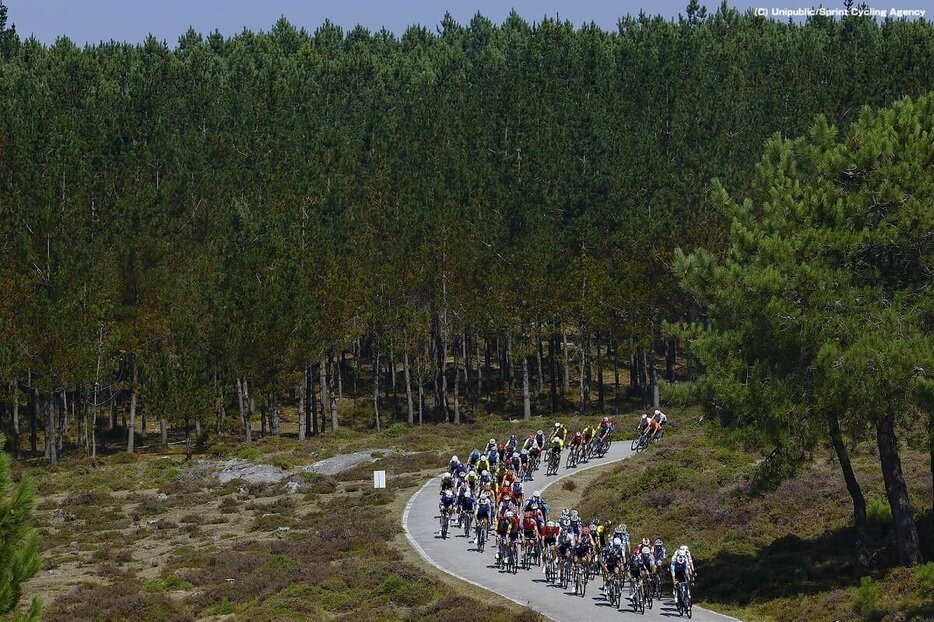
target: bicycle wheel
<point>635,443</point>
<point>583,583</point>
<point>605,447</point>
<point>445,520</point>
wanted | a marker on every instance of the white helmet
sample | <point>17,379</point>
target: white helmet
<point>509,514</point>
<point>617,542</point>
<point>557,425</point>
<point>573,513</point>
<point>492,441</point>
<point>454,459</point>
<point>683,548</point>
<point>550,523</point>
<point>539,433</point>
<point>658,412</point>
<point>536,494</point>
<point>485,473</point>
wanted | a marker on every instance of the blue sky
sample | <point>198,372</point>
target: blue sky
<point>90,21</point>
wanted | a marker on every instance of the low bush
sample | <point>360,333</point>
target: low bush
<point>866,600</point>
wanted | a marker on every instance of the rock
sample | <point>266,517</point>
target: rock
<point>249,472</point>
<point>153,562</point>
<point>343,462</point>
<point>162,497</point>
<point>229,580</point>
<point>64,515</point>
<point>292,487</point>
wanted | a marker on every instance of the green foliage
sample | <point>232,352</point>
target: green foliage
<point>19,557</point>
<point>866,599</point>
<point>925,575</point>
<point>166,583</point>
<point>879,513</point>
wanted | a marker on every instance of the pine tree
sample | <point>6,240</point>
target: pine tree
<point>19,557</point>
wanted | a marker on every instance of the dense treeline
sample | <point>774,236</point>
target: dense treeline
<point>232,220</point>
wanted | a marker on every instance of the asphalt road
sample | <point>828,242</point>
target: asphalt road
<point>458,557</point>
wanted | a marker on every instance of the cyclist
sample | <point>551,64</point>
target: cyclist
<point>530,532</point>
<point>661,418</point>
<point>613,558</point>
<point>537,498</point>
<point>473,458</point>
<point>483,464</point>
<point>557,444</point>
<point>507,527</point>
<point>549,539</point>
<point>583,549</point>
<point>447,482</point>
<point>447,505</point>
<point>643,422</point>
<point>453,464</point>
<point>576,444</point>
<point>621,533</point>
<point>558,431</point>
<point>517,491</point>
<point>575,524</point>
<point>468,505</point>
<point>680,571</point>
<point>660,552</point>
<point>606,428</point>
<point>684,550</point>
<point>588,433</point>
<point>634,570</point>
<point>653,428</point>
<point>492,452</point>
<point>484,512</point>
<point>540,440</point>
<point>512,444</point>
<point>472,480</point>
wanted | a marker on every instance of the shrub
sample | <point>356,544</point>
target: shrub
<point>866,601</point>
<point>925,575</point>
<point>878,514</point>
<point>164,584</point>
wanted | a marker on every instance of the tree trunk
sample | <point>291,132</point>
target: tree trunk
<point>274,415</point>
<point>442,364</point>
<point>853,487</point>
<point>633,365</point>
<point>552,364</point>
<point>512,376</point>
<point>541,371</point>
<point>421,398</point>
<point>488,364</point>
<point>33,416</point>
<point>323,377</point>
<point>132,427</point>
<point>616,373</point>
<point>906,532</point>
<point>585,377</point>
<point>17,448</point>
<point>332,392</point>
<point>63,422</point>
<point>51,445</point>
<point>376,389</point>
<point>408,387</point>
<point>340,375</point>
<point>312,415</point>
<point>163,432</point>
<point>671,353</point>
<point>653,375</point>
<point>600,388</point>
<point>566,386</point>
<point>465,351</point>
<point>250,411</point>
<point>457,373</point>
<point>526,397</point>
<point>301,403</point>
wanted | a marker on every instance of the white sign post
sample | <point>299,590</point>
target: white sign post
<point>379,479</point>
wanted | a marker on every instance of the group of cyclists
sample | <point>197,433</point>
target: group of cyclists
<point>486,495</point>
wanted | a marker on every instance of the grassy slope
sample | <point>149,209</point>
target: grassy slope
<point>149,537</point>
<point>783,555</point>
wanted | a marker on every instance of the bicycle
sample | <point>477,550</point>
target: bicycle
<point>512,562</point>
<point>580,579</point>
<point>684,599</point>
<point>604,446</point>
<point>466,520</point>
<point>551,569</point>
<point>647,588</point>
<point>445,522</point>
<point>638,599</point>
<point>566,573</point>
<point>554,461</point>
<point>572,458</point>
<point>481,535</point>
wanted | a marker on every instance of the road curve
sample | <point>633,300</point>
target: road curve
<point>457,557</point>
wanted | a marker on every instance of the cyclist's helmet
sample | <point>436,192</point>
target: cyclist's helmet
<point>557,425</point>
<point>539,432</point>
<point>446,475</point>
<point>448,493</point>
<point>525,452</point>
<point>645,542</point>
<point>454,459</point>
<point>537,494</point>
<point>680,558</point>
<point>574,514</point>
<point>565,512</point>
<point>683,548</point>
<point>472,473</point>
<point>658,412</point>
<point>658,542</point>
<point>492,441</point>
<point>605,420</point>
<point>646,550</point>
<point>485,473</point>
<point>617,542</point>
<point>509,514</point>
<point>550,523</point>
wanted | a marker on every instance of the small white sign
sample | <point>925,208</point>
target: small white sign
<point>379,479</point>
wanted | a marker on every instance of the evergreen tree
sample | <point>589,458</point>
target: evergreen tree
<point>19,557</point>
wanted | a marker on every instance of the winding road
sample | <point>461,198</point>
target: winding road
<point>456,556</point>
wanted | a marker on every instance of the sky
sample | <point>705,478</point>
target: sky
<point>91,21</point>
